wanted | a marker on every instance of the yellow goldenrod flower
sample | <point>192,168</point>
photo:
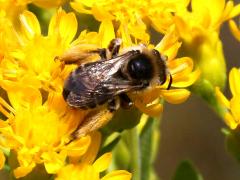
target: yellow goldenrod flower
<point>91,170</point>
<point>198,27</point>
<point>7,36</point>
<point>131,16</point>
<point>32,60</point>
<point>199,31</point>
<point>13,8</point>
<point>39,132</point>
<point>88,167</point>
<point>232,114</point>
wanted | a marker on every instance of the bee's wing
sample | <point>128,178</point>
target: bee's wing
<point>105,91</point>
<point>97,82</point>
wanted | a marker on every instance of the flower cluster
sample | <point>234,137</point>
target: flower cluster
<point>39,123</point>
<point>36,124</point>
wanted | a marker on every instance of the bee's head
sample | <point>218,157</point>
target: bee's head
<point>140,67</point>
<point>149,65</point>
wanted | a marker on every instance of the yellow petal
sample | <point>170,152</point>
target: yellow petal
<point>235,108</point>
<point>182,27</point>
<point>181,66</point>
<point>175,96</point>
<point>54,22</point>
<point>228,118</point>
<point>106,32</point>
<point>23,171</point>
<point>3,124</point>
<point>235,11</point>
<point>221,98</point>
<point>168,41</point>
<point>88,3</point>
<point>24,96</point>
<point>101,14</point>
<point>171,53</point>
<point>213,7</point>
<point>30,24</point>
<point>123,32</point>
<point>153,110</point>
<point>2,159</point>
<point>234,81</point>
<point>228,10</point>
<point>118,175</point>
<point>53,161</point>
<point>93,149</point>
<point>138,31</point>
<point>78,147</point>
<point>80,8</point>
<point>102,163</point>
<point>234,29</point>
<point>49,3</point>
<point>68,27</point>
<point>187,80</point>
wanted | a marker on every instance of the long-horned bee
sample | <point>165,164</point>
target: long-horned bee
<point>109,79</point>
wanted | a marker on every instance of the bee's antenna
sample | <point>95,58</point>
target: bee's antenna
<point>170,82</point>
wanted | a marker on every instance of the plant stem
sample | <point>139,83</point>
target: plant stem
<point>134,149</point>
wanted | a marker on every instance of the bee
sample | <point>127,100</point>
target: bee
<point>108,80</point>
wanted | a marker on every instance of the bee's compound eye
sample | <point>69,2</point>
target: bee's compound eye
<point>140,67</point>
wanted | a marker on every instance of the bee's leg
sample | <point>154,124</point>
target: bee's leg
<point>74,58</point>
<point>92,122</point>
<point>114,104</point>
<point>114,47</point>
<point>96,119</point>
<point>112,50</point>
<point>102,53</point>
<point>125,101</point>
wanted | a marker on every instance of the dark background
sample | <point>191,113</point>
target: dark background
<point>193,131</point>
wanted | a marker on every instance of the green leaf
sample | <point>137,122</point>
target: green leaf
<point>109,147</point>
<point>123,119</point>
<point>186,171</point>
<point>233,143</point>
<point>146,148</point>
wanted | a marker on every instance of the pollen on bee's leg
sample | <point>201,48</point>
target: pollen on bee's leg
<point>92,122</point>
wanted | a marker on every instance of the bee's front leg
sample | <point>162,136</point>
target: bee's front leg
<point>102,52</point>
<point>112,50</point>
<point>114,47</point>
<point>114,104</point>
<point>125,101</point>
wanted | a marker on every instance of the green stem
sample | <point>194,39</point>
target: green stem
<point>206,91</point>
<point>134,149</point>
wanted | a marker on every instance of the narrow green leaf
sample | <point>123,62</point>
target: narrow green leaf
<point>146,149</point>
<point>186,171</point>
<point>109,147</point>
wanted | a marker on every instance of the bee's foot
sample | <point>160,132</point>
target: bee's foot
<point>113,105</point>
